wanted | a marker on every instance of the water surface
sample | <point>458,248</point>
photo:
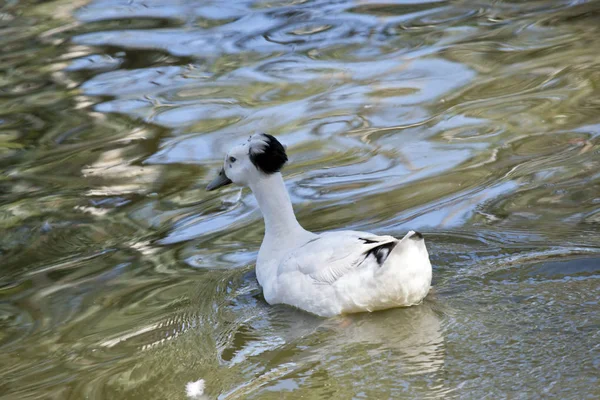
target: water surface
<point>475,122</point>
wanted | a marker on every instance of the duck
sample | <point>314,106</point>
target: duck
<point>329,273</point>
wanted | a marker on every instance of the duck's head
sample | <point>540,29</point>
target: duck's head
<point>249,162</point>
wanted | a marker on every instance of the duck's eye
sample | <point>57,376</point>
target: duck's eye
<point>232,159</point>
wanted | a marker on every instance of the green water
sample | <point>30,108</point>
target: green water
<point>475,122</point>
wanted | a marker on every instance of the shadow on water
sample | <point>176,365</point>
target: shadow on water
<point>474,122</point>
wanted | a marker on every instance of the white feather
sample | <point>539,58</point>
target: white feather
<point>258,143</point>
<point>195,390</point>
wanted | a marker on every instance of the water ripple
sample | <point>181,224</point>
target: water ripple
<point>475,123</point>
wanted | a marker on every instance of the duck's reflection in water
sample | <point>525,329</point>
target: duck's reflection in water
<point>292,346</point>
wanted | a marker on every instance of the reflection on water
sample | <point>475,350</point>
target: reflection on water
<point>475,122</point>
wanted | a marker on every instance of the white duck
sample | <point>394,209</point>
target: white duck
<point>329,273</point>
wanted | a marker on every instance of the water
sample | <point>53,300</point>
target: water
<point>475,122</point>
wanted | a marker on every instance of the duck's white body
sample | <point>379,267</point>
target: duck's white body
<point>334,272</point>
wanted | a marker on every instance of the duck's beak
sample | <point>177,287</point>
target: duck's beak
<point>220,180</point>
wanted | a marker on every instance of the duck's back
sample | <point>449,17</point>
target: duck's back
<point>350,271</point>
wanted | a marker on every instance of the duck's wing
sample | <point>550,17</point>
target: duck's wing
<point>331,255</point>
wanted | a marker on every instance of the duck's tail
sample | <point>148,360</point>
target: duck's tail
<point>409,267</point>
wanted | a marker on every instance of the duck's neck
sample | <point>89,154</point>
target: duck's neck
<point>276,207</point>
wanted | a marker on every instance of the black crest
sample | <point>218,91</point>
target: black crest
<point>267,154</point>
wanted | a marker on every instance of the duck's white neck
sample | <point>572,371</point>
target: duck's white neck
<point>276,207</point>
